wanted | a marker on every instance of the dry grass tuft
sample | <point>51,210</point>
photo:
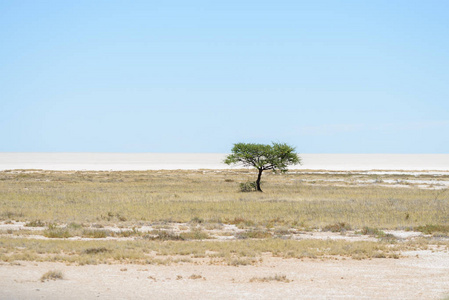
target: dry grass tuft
<point>95,250</point>
<point>254,234</point>
<point>57,233</point>
<point>337,227</point>
<point>277,277</point>
<point>431,229</point>
<point>52,275</point>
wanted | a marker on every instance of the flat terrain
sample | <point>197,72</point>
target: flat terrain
<point>194,161</point>
<point>425,277</point>
<point>192,234</point>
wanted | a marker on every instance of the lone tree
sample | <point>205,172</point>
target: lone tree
<point>274,157</point>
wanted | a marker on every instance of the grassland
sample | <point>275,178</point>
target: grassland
<point>213,196</point>
<point>211,252</point>
<point>67,204</point>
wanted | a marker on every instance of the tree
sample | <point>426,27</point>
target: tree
<point>276,157</point>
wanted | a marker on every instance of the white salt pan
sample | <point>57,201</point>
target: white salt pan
<point>173,161</point>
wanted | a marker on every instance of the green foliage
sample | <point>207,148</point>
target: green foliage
<point>276,157</point>
<point>246,187</point>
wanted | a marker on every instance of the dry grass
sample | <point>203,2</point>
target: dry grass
<point>207,199</point>
<point>52,275</point>
<point>277,277</point>
<point>240,252</point>
<point>209,196</point>
<point>432,229</point>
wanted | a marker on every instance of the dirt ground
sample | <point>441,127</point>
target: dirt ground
<point>420,275</point>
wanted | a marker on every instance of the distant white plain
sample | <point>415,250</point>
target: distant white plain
<point>194,161</point>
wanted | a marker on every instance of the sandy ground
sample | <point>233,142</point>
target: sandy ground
<point>173,161</point>
<point>421,275</point>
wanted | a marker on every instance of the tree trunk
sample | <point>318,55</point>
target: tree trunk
<point>258,181</point>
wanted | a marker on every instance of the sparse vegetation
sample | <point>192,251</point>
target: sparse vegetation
<point>277,277</point>
<point>108,198</point>
<point>337,227</point>
<point>239,252</point>
<point>57,233</point>
<point>97,234</point>
<point>194,235</point>
<point>431,229</point>
<point>95,250</point>
<point>196,276</point>
<point>36,223</point>
<point>372,231</point>
<point>254,234</point>
<point>52,275</point>
<point>89,202</point>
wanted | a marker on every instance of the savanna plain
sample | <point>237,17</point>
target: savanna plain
<point>194,234</point>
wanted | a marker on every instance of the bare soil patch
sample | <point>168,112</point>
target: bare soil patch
<point>420,275</point>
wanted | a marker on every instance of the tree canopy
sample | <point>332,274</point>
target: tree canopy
<point>275,157</point>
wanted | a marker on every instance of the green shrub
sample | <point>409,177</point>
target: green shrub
<point>249,186</point>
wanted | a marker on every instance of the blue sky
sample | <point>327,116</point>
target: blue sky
<point>198,76</point>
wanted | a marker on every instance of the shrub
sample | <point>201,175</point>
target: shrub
<point>163,236</point>
<point>57,233</point>
<point>97,234</point>
<point>239,221</point>
<point>253,234</point>
<point>36,223</point>
<point>337,227</point>
<point>429,229</point>
<point>372,231</point>
<point>194,235</point>
<point>197,220</point>
<point>389,238</point>
<point>277,277</point>
<point>52,275</point>
<point>74,225</point>
<point>249,186</point>
<point>95,250</point>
